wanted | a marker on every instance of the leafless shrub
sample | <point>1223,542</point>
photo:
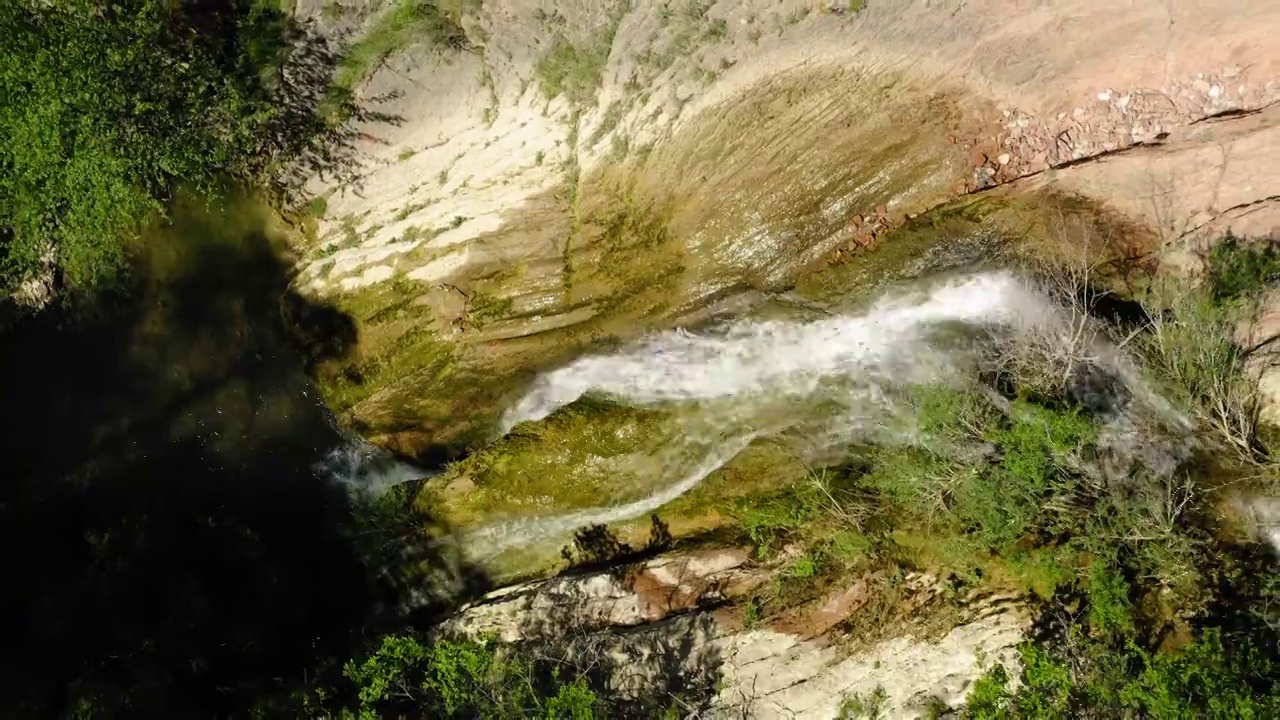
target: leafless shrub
<point>1189,345</point>
<point>1044,355</point>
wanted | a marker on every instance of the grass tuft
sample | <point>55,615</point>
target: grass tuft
<point>406,23</point>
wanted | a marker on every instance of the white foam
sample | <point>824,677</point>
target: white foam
<point>830,381</point>
<point>759,357</point>
<point>361,467</point>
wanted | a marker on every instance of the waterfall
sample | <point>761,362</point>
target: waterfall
<point>363,468</point>
<point>791,357</point>
<point>830,382</point>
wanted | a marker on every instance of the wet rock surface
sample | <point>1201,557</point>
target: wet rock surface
<point>727,151</point>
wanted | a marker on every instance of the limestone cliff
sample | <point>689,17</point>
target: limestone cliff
<point>572,172</point>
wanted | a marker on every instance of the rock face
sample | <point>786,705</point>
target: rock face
<point>645,593</point>
<point>1203,180</point>
<point>802,664</point>
<point>721,148</point>
<point>593,170</point>
<point>773,674</point>
<point>1259,337</point>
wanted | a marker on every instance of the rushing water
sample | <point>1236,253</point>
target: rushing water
<point>816,387</point>
<point>752,358</point>
<point>831,381</point>
<point>363,467</point>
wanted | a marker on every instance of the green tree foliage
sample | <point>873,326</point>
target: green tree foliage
<point>995,496</point>
<point>1006,499</point>
<point>107,107</point>
<point>464,679</point>
<point>989,698</point>
<point>1238,268</point>
<point>1211,678</point>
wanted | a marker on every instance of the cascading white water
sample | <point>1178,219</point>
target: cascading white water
<point>830,381</point>
<point>363,468</point>
<point>495,538</point>
<point>790,357</point>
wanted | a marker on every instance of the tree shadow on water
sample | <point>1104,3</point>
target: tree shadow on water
<point>172,547</point>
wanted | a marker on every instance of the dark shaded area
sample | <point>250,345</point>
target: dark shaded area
<point>668,668</point>
<point>596,547</point>
<point>1098,390</point>
<point>1124,314</point>
<point>1239,267</point>
<point>171,548</point>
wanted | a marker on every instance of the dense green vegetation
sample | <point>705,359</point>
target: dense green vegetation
<point>1238,268</point>
<point>106,109</point>
<point>467,679</point>
<point>1151,608</point>
<point>1218,675</point>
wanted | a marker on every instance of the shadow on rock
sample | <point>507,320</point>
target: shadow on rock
<point>173,546</point>
<point>644,669</point>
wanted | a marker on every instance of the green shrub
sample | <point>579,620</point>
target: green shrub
<point>1004,501</point>
<point>766,521</point>
<point>406,23</point>
<point>864,706</point>
<point>951,414</point>
<point>996,509</point>
<point>460,679</point>
<point>318,206</point>
<point>1047,684</point>
<point>989,698</point>
<point>1037,439</point>
<point>1110,613</point>
<point>804,568</point>
<point>575,701</point>
<point>1238,268</point>
<point>1210,678</point>
<point>846,545</point>
<point>910,477</point>
<point>1042,569</point>
<point>572,71</point>
<point>1207,679</point>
